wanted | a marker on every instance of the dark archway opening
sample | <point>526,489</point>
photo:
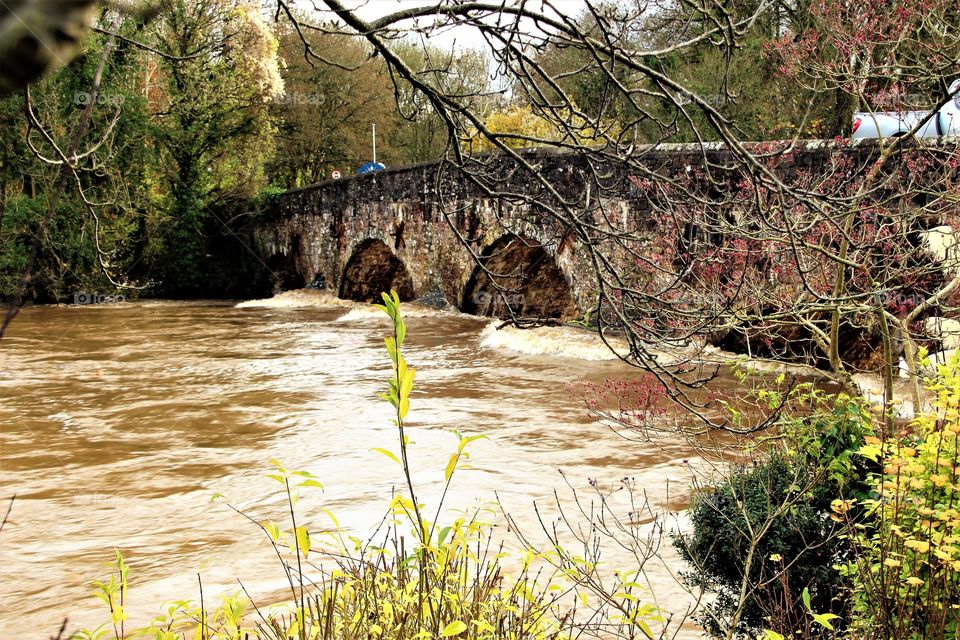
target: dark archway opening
<point>373,269</point>
<point>531,284</point>
<point>284,275</point>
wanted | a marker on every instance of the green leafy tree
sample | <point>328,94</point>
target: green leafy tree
<point>90,238</point>
<point>333,94</point>
<point>425,134</point>
<point>213,126</point>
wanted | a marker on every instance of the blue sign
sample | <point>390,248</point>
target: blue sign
<point>370,167</point>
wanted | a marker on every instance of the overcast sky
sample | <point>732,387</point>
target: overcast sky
<point>458,37</point>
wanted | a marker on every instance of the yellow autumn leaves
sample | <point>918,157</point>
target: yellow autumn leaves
<point>908,532</point>
<point>520,126</point>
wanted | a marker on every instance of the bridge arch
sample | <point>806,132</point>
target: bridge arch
<point>283,266</point>
<point>284,275</point>
<point>372,269</point>
<point>533,284</point>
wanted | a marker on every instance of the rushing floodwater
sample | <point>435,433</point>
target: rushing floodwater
<point>120,422</point>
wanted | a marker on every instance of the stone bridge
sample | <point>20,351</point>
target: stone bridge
<point>421,229</point>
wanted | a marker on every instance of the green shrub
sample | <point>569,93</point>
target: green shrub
<point>758,540</point>
<point>268,195</point>
<point>764,535</point>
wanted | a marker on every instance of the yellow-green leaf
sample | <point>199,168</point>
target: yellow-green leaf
<point>647,631</point>
<point>465,441</point>
<point>823,619</point>
<point>332,517</point>
<point>303,541</point>
<point>406,384</point>
<point>272,529</point>
<point>401,504</point>
<point>292,631</point>
<point>389,454</point>
<point>451,465</point>
<point>453,629</point>
<point>870,451</point>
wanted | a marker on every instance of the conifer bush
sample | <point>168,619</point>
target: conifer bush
<point>762,540</point>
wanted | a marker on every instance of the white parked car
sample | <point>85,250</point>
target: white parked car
<point>945,122</point>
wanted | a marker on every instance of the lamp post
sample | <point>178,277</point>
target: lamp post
<point>374,142</point>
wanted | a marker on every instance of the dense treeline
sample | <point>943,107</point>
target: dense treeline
<point>185,137</point>
<point>223,107</point>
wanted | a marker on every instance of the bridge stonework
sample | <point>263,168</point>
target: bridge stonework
<point>400,216</point>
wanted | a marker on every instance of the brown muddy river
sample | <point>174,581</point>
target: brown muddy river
<point>121,421</point>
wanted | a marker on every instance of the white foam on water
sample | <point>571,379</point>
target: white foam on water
<point>366,311</point>
<point>871,387</point>
<point>299,298</point>
<point>568,342</point>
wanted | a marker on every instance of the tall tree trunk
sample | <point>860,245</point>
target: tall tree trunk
<point>844,106</point>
